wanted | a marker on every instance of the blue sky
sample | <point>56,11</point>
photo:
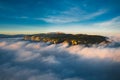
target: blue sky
<point>70,16</point>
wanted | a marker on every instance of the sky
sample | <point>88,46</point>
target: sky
<point>69,16</point>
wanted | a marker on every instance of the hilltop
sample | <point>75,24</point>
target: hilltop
<point>71,39</point>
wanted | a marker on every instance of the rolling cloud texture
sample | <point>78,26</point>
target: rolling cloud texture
<point>25,60</point>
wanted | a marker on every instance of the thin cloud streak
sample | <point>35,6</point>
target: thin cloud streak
<point>72,15</point>
<point>114,22</point>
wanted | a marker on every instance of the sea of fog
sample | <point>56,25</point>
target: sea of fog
<point>25,60</point>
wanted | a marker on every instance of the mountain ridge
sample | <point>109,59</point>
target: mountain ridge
<point>71,39</point>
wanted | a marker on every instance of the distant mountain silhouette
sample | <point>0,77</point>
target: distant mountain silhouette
<point>10,36</point>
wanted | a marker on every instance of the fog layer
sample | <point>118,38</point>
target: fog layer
<point>25,60</point>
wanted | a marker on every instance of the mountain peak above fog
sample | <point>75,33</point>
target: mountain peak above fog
<point>58,37</point>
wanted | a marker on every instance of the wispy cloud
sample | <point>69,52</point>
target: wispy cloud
<point>95,14</point>
<point>72,15</point>
<point>114,22</point>
<point>59,19</point>
<point>23,17</point>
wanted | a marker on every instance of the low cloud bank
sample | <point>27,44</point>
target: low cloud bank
<point>24,60</point>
